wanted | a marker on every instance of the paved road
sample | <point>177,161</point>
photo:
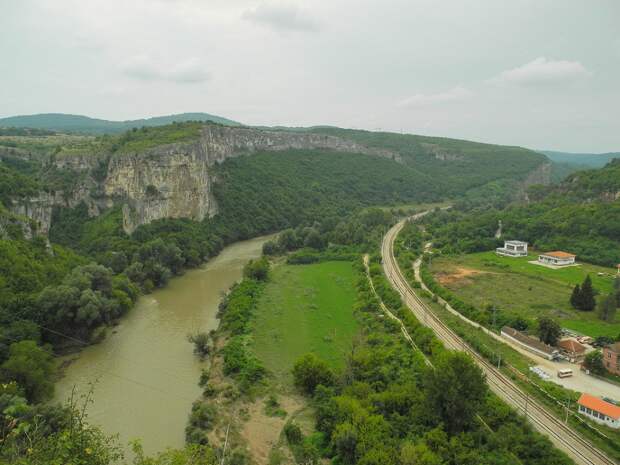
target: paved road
<point>580,450</point>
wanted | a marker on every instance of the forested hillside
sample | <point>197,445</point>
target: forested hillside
<point>491,169</point>
<point>581,215</point>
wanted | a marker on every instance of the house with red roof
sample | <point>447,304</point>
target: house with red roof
<point>557,258</point>
<point>611,358</point>
<point>575,351</point>
<point>599,410</point>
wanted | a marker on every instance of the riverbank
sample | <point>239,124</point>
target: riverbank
<point>144,373</point>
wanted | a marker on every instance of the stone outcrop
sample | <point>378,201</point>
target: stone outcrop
<point>175,181</point>
<point>541,175</point>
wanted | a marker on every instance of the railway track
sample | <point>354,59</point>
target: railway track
<point>563,437</point>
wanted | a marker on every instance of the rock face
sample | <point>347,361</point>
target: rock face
<point>175,181</point>
<point>541,175</point>
<point>168,181</point>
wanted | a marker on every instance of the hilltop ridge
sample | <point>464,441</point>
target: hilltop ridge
<point>86,125</point>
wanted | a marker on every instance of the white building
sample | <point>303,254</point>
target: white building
<point>599,411</point>
<point>557,258</point>
<point>513,249</point>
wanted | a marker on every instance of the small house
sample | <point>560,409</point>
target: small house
<point>611,358</point>
<point>529,343</point>
<point>573,350</point>
<point>513,249</point>
<point>557,258</point>
<point>599,410</point>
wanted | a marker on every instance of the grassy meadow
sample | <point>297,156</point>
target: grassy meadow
<point>519,287</point>
<point>305,308</point>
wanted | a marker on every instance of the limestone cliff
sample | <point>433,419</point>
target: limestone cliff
<point>168,181</point>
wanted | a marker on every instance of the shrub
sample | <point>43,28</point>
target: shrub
<point>310,371</point>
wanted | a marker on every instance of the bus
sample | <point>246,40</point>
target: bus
<point>565,373</point>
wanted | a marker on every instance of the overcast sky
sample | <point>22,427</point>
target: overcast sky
<point>541,74</point>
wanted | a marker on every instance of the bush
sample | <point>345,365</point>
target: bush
<point>201,343</point>
<point>293,433</point>
<point>310,371</point>
<point>257,269</point>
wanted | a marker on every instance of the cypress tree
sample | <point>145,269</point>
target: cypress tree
<point>575,298</point>
<point>607,308</point>
<point>587,295</point>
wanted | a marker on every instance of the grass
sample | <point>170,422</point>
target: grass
<point>518,287</point>
<point>305,308</point>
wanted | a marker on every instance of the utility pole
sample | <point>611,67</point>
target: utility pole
<point>499,360</point>
<point>527,392</point>
<point>225,444</point>
<point>567,410</point>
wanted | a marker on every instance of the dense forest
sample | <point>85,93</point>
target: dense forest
<point>580,215</point>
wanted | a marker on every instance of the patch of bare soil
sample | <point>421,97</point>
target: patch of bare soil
<point>261,432</point>
<point>458,275</point>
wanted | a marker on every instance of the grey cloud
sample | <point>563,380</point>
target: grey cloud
<point>281,17</point>
<point>187,72</point>
<point>542,71</point>
<point>456,94</point>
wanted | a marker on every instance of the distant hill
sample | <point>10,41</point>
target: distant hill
<point>83,124</point>
<point>588,160</point>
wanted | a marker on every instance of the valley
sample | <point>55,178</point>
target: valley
<point>118,246</point>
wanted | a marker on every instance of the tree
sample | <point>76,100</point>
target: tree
<point>587,295</point>
<point>607,308</point>
<point>201,343</point>
<point>575,298</point>
<point>456,390</point>
<point>257,269</point>
<point>33,368</point>
<point>548,330</point>
<point>594,362</point>
<point>310,371</point>
<point>314,240</point>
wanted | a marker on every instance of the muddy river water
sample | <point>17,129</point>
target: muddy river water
<point>144,374</point>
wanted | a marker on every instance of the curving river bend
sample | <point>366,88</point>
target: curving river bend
<point>144,373</point>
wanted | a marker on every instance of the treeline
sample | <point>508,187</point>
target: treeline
<point>456,166</point>
<point>589,230</point>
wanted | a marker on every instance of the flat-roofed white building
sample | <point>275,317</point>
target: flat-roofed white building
<point>557,258</point>
<point>513,249</point>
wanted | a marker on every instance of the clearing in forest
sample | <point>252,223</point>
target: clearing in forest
<point>520,288</point>
<point>305,308</point>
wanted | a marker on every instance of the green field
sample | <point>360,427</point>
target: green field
<point>305,308</point>
<point>521,288</point>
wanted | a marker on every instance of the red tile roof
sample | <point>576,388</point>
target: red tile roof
<point>559,254</point>
<point>570,345</point>
<point>600,406</point>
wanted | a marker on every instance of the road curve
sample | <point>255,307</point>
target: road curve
<point>562,436</point>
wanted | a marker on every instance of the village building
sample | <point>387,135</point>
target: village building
<point>611,358</point>
<point>557,258</point>
<point>599,410</point>
<point>513,249</point>
<point>575,351</point>
<point>529,343</point>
